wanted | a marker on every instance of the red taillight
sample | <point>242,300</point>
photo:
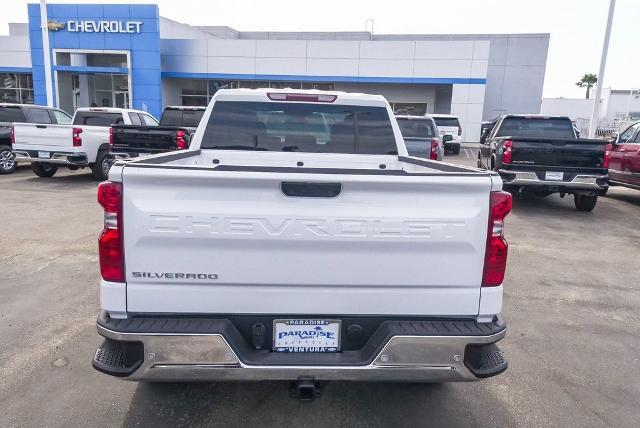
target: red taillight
<point>317,98</point>
<point>607,155</point>
<point>111,136</point>
<point>77,139</point>
<point>180,141</point>
<point>12,136</point>
<point>433,152</point>
<point>110,242</point>
<point>508,150</point>
<point>495,258</point>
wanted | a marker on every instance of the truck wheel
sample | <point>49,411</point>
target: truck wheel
<point>100,169</point>
<point>456,149</point>
<point>43,169</point>
<point>8,162</point>
<point>585,202</point>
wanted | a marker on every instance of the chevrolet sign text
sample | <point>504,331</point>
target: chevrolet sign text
<point>131,27</point>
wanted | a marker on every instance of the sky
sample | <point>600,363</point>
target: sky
<point>576,26</point>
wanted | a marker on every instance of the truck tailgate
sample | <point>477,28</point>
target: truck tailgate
<point>205,241</point>
<point>31,136</point>
<point>573,153</point>
<point>147,139</point>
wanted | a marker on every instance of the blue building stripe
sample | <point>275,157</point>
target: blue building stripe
<point>87,70</point>
<point>353,79</point>
<point>15,69</point>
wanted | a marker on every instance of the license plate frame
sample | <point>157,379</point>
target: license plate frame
<point>44,155</point>
<point>554,176</point>
<point>326,338</point>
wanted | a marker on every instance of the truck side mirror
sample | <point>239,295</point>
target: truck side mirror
<point>614,138</point>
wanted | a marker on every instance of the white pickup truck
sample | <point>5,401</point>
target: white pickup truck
<point>296,240</point>
<point>83,143</point>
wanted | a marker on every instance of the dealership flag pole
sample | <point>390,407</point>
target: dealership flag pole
<point>45,49</point>
<point>603,62</point>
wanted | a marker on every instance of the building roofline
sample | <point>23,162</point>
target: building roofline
<point>218,31</point>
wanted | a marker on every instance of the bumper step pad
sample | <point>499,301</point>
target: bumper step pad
<point>118,358</point>
<point>485,361</point>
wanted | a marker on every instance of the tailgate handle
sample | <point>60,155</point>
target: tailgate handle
<point>41,126</point>
<point>303,189</point>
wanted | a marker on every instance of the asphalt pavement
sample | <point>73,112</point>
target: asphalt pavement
<point>572,304</point>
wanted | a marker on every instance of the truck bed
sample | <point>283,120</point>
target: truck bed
<point>346,233</point>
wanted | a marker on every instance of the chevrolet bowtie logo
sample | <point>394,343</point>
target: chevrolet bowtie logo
<point>55,26</point>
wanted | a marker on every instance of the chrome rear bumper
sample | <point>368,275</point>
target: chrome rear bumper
<point>79,159</point>
<point>210,357</point>
<point>527,178</point>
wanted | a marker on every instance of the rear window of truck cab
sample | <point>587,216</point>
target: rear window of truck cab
<point>176,117</point>
<point>536,127</point>
<point>299,127</point>
<point>447,121</point>
<point>12,114</point>
<point>97,118</point>
<point>416,128</point>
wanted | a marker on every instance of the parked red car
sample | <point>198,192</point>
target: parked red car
<point>624,166</point>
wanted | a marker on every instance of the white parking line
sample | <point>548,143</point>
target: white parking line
<point>466,153</point>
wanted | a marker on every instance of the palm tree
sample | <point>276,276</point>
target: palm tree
<point>588,81</point>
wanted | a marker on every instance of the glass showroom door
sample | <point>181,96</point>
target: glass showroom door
<point>121,99</point>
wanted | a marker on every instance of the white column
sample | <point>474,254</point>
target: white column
<point>47,53</point>
<point>603,62</point>
<point>80,60</point>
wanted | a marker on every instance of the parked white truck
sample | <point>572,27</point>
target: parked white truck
<point>296,240</point>
<point>83,143</point>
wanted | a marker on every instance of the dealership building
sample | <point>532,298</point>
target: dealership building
<point>128,56</point>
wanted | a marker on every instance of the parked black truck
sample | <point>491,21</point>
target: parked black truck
<point>23,113</point>
<point>174,131</point>
<point>541,155</point>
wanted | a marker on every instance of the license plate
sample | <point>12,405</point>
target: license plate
<point>44,155</point>
<point>306,335</point>
<point>555,176</point>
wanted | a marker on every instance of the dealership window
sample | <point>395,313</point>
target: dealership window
<point>16,88</point>
<point>411,109</point>
<point>316,85</point>
<point>195,93</point>
<point>110,90</point>
<point>199,92</point>
<point>107,60</point>
<point>285,85</point>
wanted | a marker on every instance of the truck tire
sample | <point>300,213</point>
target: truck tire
<point>42,169</point>
<point>8,162</point>
<point>100,169</point>
<point>456,149</point>
<point>585,202</point>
